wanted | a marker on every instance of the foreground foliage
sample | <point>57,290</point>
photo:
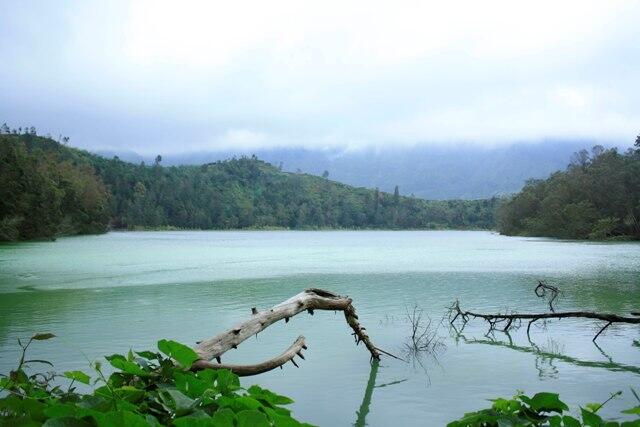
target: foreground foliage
<point>597,197</point>
<point>148,388</point>
<point>49,189</point>
<point>543,409</point>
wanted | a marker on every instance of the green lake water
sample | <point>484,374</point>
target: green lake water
<point>104,294</point>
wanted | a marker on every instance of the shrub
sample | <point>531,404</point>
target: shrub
<point>147,388</point>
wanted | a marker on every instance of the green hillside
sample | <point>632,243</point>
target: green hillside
<point>49,189</point>
<point>597,197</point>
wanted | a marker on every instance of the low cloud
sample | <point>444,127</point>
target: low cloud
<point>155,76</point>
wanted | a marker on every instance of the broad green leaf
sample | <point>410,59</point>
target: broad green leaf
<point>547,402</point>
<point>224,417</point>
<point>635,411</point>
<point>192,386</point>
<point>130,394</point>
<point>119,362</point>
<point>58,410</point>
<point>269,396</point>
<point>555,421</point>
<point>252,418</point>
<point>195,422</point>
<point>227,381</point>
<point>569,421</point>
<point>78,376</point>
<point>590,419</point>
<point>66,422</point>
<point>239,403</point>
<point>121,418</point>
<point>176,402</point>
<point>149,355</point>
<point>181,353</point>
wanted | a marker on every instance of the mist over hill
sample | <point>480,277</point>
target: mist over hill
<point>429,172</point>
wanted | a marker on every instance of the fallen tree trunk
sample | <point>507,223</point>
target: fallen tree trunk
<point>497,320</point>
<point>308,300</point>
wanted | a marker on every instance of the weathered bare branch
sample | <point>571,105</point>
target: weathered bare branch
<point>247,370</point>
<point>309,300</point>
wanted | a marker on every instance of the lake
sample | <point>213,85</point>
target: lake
<point>108,293</point>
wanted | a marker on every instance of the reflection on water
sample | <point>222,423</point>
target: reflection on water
<point>104,294</point>
<point>368,392</point>
<point>545,356</point>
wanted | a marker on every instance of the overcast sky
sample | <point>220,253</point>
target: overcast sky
<point>164,77</point>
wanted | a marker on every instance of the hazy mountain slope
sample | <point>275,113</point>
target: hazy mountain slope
<point>430,172</point>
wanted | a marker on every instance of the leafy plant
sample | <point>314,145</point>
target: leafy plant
<point>543,409</point>
<point>147,388</point>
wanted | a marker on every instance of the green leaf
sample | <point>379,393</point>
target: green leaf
<point>555,421</point>
<point>252,418</point>
<point>632,411</point>
<point>78,376</point>
<point>590,418</point>
<point>58,410</point>
<point>120,418</point>
<point>548,402</point>
<point>569,421</point>
<point>195,422</point>
<point>227,381</point>
<point>130,394</point>
<point>119,362</point>
<point>191,385</point>
<point>181,353</point>
<point>224,417</point>
<point>66,422</point>
<point>268,396</point>
<point>149,355</point>
<point>176,402</point>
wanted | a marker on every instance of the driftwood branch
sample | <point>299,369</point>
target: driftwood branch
<point>503,322</point>
<point>247,370</point>
<point>309,300</point>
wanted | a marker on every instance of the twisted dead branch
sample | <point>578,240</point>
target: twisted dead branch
<point>503,322</point>
<point>543,288</point>
<point>308,300</point>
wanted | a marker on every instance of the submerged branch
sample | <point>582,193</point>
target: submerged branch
<point>496,321</point>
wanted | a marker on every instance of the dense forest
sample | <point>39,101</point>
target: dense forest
<point>49,189</point>
<point>596,197</point>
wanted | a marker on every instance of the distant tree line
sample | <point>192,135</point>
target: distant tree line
<point>48,189</point>
<point>596,197</point>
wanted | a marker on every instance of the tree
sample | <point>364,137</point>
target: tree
<point>158,160</point>
<point>325,174</point>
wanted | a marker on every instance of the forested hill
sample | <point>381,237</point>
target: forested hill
<point>49,189</point>
<point>597,197</point>
<point>435,172</point>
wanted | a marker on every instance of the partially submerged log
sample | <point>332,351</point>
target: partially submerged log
<point>503,322</point>
<point>308,300</point>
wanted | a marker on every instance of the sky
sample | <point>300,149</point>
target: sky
<point>167,77</point>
